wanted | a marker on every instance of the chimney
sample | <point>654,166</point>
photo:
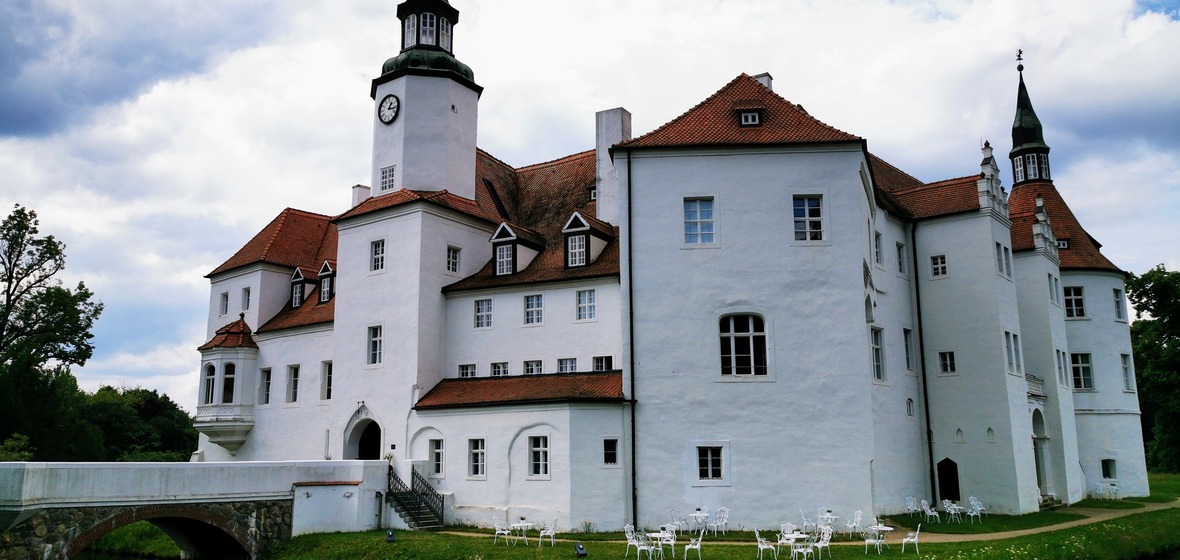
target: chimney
<point>765,79</point>
<point>360,193</point>
<point>611,127</point>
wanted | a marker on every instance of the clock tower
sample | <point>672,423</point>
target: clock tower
<point>426,105</point>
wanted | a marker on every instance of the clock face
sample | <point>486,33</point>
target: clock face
<point>388,109</point>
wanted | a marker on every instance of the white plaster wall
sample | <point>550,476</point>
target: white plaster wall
<point>270,290</point>
<point>560,335</point>
<point>432,141</point>
<point>967,312</point>
<point>507,490</point>
<point>901,465</point>
<point>785,446</point>
<point>1042,323</point>
<point>1108,417</point>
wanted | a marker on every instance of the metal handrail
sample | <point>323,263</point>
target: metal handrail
<point>396,485</point>
<point>427,495</point>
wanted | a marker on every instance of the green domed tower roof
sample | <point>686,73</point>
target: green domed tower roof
<point>427,42</point>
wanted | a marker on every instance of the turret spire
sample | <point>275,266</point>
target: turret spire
<point>1030,154</point>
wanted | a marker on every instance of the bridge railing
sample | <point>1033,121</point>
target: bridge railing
<point>427,494</point>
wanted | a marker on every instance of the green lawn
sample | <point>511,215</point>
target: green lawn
<point>990,524</point>
<point>1125,538</point>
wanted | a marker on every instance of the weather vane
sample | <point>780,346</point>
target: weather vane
<point>1019,60</point>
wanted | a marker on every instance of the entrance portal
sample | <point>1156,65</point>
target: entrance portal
<point>1040,457</point>
<point>364,442</point>
<point>948,480</point>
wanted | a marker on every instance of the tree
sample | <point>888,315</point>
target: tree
<point>44,329</point>
<point>1155,339</point>
<point>16,448</point>
<point>39,319</point>
<point>140,425</point>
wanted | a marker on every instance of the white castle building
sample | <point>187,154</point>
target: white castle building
<point>744,308</point>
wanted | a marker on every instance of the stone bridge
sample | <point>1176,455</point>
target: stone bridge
<point>211,510</point>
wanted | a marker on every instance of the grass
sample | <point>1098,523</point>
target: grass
<point>1164,485</point>
<point>991,523</point>
<point>137,539</point>
<point>1093,503</point>
<point>1125,538</point>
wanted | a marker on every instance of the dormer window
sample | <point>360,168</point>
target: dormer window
<point>750,117</point>
<point>325,289</point>
<point>575,250</point>
<point>504,259</point>
<point>592,193</point>
<point>296,294</point>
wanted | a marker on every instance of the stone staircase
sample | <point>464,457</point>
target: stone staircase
<point>1050,503</point>
<point>415,513</point>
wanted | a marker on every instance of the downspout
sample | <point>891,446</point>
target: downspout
<point>922,362</point>
<point>631,343</point>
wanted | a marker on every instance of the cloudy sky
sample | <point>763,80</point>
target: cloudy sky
<point>155,137</point>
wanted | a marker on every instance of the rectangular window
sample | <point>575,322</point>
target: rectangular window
<point>1016,348</point>
<point>751,118</point>
<point>532,366</point>
<point>1052,291</point>
<point>533,310</point>
<point>1030,166</point>
<point>504,259</point>
<point>604,363</point>
<point>1075,305</point>
<point>908,341</point>
<point>377,255</point>
<point>877,257</point>
<point>610,451</point>
<point>325,289</point>
<point>466,370</point>
<point>902,267</point>
<point>1007,262</point>
<point>296,294</point>
<point>586,305</point>
<point>946,362</point>
<point>483,313</point>
<point>1017,169</point>
<point>999,258</point>
<point>387,176</point>
<point>453,260</point>
<point>698,221</point>
<point>224,306</point>
<point>499,369</point>
<point>1108,469</point>
<point>476,458</point>
<point>410,33</point>
<point>1062,378</point>
<point>264,386</point>
<point>374,345</point>
<point>1008,351</point>
<point>575,250</point>
<point>875,337</point>
<point>1044,159</point>
<point>567,365</point>
<point>1128,373</point>
<point>938,265</point>
<point>709,463</point>
<point>437,458</point>
<point>292,384</point>
<point>539,456</point>
<point>1120,309</point>
<point>808,214</point>
<point>428,29</point>
<point>326,381</point>
<point>444,33</point>
<point>227,383</point>
<point>1057,290</point>
<point>1083,375</point>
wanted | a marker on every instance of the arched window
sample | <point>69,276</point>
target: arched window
<point>227,384</point>
<point>909,407</point>
<point>208,383</point>
<point>428,29</point>
<point>743,345</point>
<point>410,36</point>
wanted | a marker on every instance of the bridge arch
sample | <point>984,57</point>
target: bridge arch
<point>198,532</point>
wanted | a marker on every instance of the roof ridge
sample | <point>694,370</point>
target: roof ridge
<point>557,161</point>
<point>894,167</point>
<point>935,184</point>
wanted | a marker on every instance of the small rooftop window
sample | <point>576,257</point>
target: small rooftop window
<point>750,117</point>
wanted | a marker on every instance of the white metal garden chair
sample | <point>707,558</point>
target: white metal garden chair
<point>854,523</point>
<point>501,530</point>
<point>695,544</point>
<point>549,530</point>
<point>824,542</point>
<point>764,544</point>
<point>912,537</point>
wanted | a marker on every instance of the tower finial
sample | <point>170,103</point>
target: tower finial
<point>1020,60</point>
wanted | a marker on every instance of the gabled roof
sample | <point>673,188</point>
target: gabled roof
<point>439,198</point>
<point>1083,252</point>
<point>942,198</point>
<point>293,238</point>
<point>714,122</point>
<point>233,335</point>
<point>518,233</point>
<point>524,389</point>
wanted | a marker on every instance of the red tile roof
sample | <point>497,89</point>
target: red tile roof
<point>439,198</point>
<point>714,122</point>
<point>312,312</point>
<point>1083,252</point>
<point>951,196</point>
<point>233,335</point>
<point>524,389</point>
<point>293,238</point>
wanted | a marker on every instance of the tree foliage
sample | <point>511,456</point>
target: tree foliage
<point>45,329</point>
<point>1155,338</point>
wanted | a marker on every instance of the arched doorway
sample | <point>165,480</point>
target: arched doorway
<point>948,480</point>
<point>1040,441</point>
<point>364,442</point>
